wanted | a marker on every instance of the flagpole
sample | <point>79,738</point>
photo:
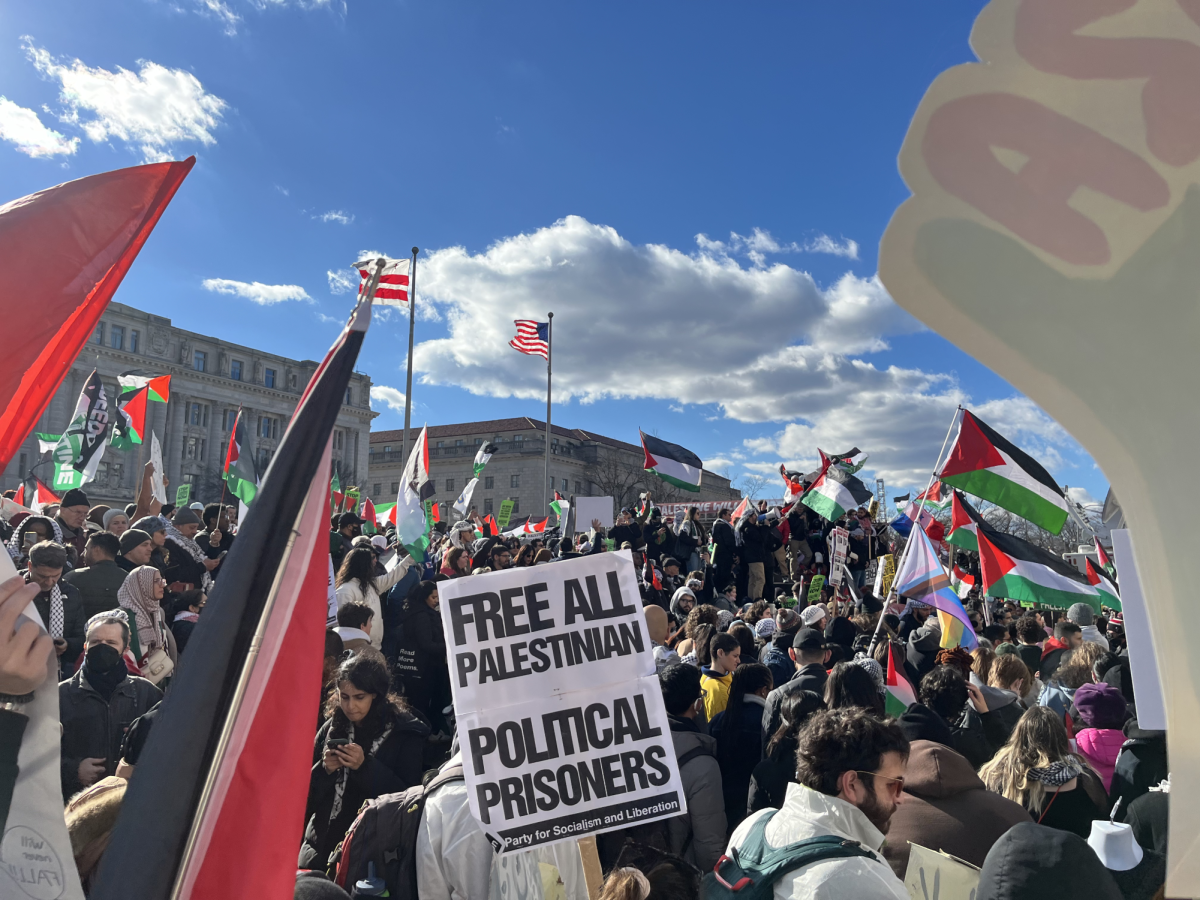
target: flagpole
<point>412,320</point>
<point>549,359</point>
<point>908,545</point>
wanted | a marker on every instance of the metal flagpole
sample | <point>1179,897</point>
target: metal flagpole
<point>549,359</point>
<point>917,524</point>
<point>412,319</point>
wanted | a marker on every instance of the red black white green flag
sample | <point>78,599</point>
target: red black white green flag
<point>1105,562</point>
<point>835,493</point>
<point>1018,570</point>
<point>1100,580</point>
<point>984,463</point>
<point>675,465</point>
<point>129,423</point>
<point>964,522</point>
<point>240,474</point>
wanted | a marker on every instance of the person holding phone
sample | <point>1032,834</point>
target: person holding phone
<point>59,604</point>
<point>31,530</point>
<point>372,743</point>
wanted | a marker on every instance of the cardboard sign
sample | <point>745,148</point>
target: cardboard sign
<point>505,514</point>
<point>936,875</point>
<point>158,487</point>
<point>885,573</point>
<point>183,495</point>
<point>588,508</point>
<point>560,715</point>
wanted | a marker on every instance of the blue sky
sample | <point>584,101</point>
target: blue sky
<point>697,191</point>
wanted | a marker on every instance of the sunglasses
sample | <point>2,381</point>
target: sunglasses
<point>895,785</point>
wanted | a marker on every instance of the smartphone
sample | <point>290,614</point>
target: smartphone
<point>30,539</point>
<point>337,742</point>
<point>222,554</point>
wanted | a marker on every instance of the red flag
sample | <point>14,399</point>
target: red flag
<point>63,253</point>
<point>19,499</point>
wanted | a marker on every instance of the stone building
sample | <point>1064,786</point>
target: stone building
<point>210,379</point>
<point>581,463</point>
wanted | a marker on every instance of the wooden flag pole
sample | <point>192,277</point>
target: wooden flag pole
<point>549,359</point>
<point>412,319</point>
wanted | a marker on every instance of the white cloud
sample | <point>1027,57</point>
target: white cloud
<point>336,215</point>
<point>153,109</point>
<point>222,13</point>
<point>283,191</point>
<point>262,294</point>
<point>760,242</point>
<point>22,127</point>
<point>761,343</point>
<point>388,396</point>
<point>1083,497</point>
<point>675,407</point>
<point>342,281</point>
<point>718,464</point>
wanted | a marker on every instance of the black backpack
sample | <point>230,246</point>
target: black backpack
<point>382,842</point>
<point>751,873</point>
<point>656,834</point>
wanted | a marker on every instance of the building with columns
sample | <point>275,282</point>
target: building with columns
<point>582,463</point>
<point>210,379</point>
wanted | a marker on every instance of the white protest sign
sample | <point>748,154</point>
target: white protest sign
<point>560,716</point>
<point>839,541</point>
<point>157,487</point>
<point>588,508</point>
<point>1147,683</point>
<point>936,875</point>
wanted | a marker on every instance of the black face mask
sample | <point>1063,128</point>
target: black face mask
<point>104,669</point>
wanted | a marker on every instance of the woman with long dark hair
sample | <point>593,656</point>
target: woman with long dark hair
<point>769,780</point>
<point>371,744</point>
<point>357,583</point>
<point>738,730</point>
<point>421,658</point>
<point>852,685</point>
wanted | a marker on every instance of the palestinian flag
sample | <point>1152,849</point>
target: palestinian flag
<point>852,460</point>
<point>1099,579</point>
<point>482,455</point>
<point>936,497</point>
<point>835,493</point>
<point>901,500</point>
<point>673,464</point>
<point>42,497</point>
<point>1105,562</point>
<point>413,523</point>
<point>961,581</point>
<point>337,499</point>
<point>900,695</point>
<point>370,523</point>
<point>493,526</point>
<point>985,464</point>
<point>239,472</point>
<point>385,514</point>
<point>529,526</point>
<point>129,424</point>
<point>741,509</point>
<point>1017,570</point>
<point>964,523</point>
<point>158,387</point>
<point>793,487</point>
<point>650,575</point>
<point>559,506</point>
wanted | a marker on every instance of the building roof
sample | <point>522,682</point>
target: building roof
<point>496,426</point>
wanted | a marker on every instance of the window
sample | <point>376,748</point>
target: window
<point>478,441</point>
<point>349,396</point>
<point>387,448</point>
<point>514,481</point>
<point>189,478</point>
<point>224,452</point>
<point>268,427</point>
<point>450,485</point>
<point>102,473</point>
<point>191,448</point>
<point>98,334</point>
<point>116,337</point>
<point>578,488</point>
<point>197,414</point>
<point>518,437</point>
<point>24,467</point>
<point>487,506</point>
<point>458,443</point>
<point>293,380</point>
<point>441,443</point>
<point>264,459</point>
<point>488,482</point>
<point>516,506</point>
<point>133,341</point>
<point>395,487</point>
<point>200,361</point>
<point>235,369</point>
<point>269,377</point>
<point>376,491</point>
<point>229,419</point>
<point>564,485</point>
<point>339,439</point>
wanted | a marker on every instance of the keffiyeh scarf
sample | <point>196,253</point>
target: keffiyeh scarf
<point>874,669</point>
<point>58,620</point>
<point>14,543</point>
<point>192,549</point>
<point>1057,773</point>
<point>343,774</point>
<point>137,596</point>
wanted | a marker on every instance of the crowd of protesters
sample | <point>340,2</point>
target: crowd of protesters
<point>1013,758</point>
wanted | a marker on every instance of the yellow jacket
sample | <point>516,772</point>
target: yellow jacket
<point>716,691</point>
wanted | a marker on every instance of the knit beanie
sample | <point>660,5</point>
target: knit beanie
<point>150,524</point>
<point>1101,706</point>
<point>186,517</point>
<point>132,538</point>
<point>74,497</point>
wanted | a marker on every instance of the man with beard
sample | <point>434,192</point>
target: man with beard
<point>850,771</point>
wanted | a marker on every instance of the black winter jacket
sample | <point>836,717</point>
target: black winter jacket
<point>73,623</point>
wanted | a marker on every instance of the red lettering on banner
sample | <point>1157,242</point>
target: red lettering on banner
<point>1063,155</point>
<point>1045,36</point>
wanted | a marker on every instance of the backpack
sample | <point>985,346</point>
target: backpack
<point>751,873</point>
<point>382,841</point>
<point>656,834</point>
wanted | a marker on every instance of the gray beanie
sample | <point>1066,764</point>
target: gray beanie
<point>150,524</point>
<point>1081,614</point>
<point>112,514</point>
<point>186,517</point>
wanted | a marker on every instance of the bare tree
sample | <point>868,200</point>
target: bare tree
<point>616,477</point>
<point>752,485</point>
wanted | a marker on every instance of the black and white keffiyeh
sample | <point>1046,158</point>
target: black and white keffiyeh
<point>58,621</point>
<point>1057,773</point>
<point>343,774</point>
<point>16,551</point>
<point>192,549</point>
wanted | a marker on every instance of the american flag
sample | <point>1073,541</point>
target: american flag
<point>393,283</point>
<point>532,337</point>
